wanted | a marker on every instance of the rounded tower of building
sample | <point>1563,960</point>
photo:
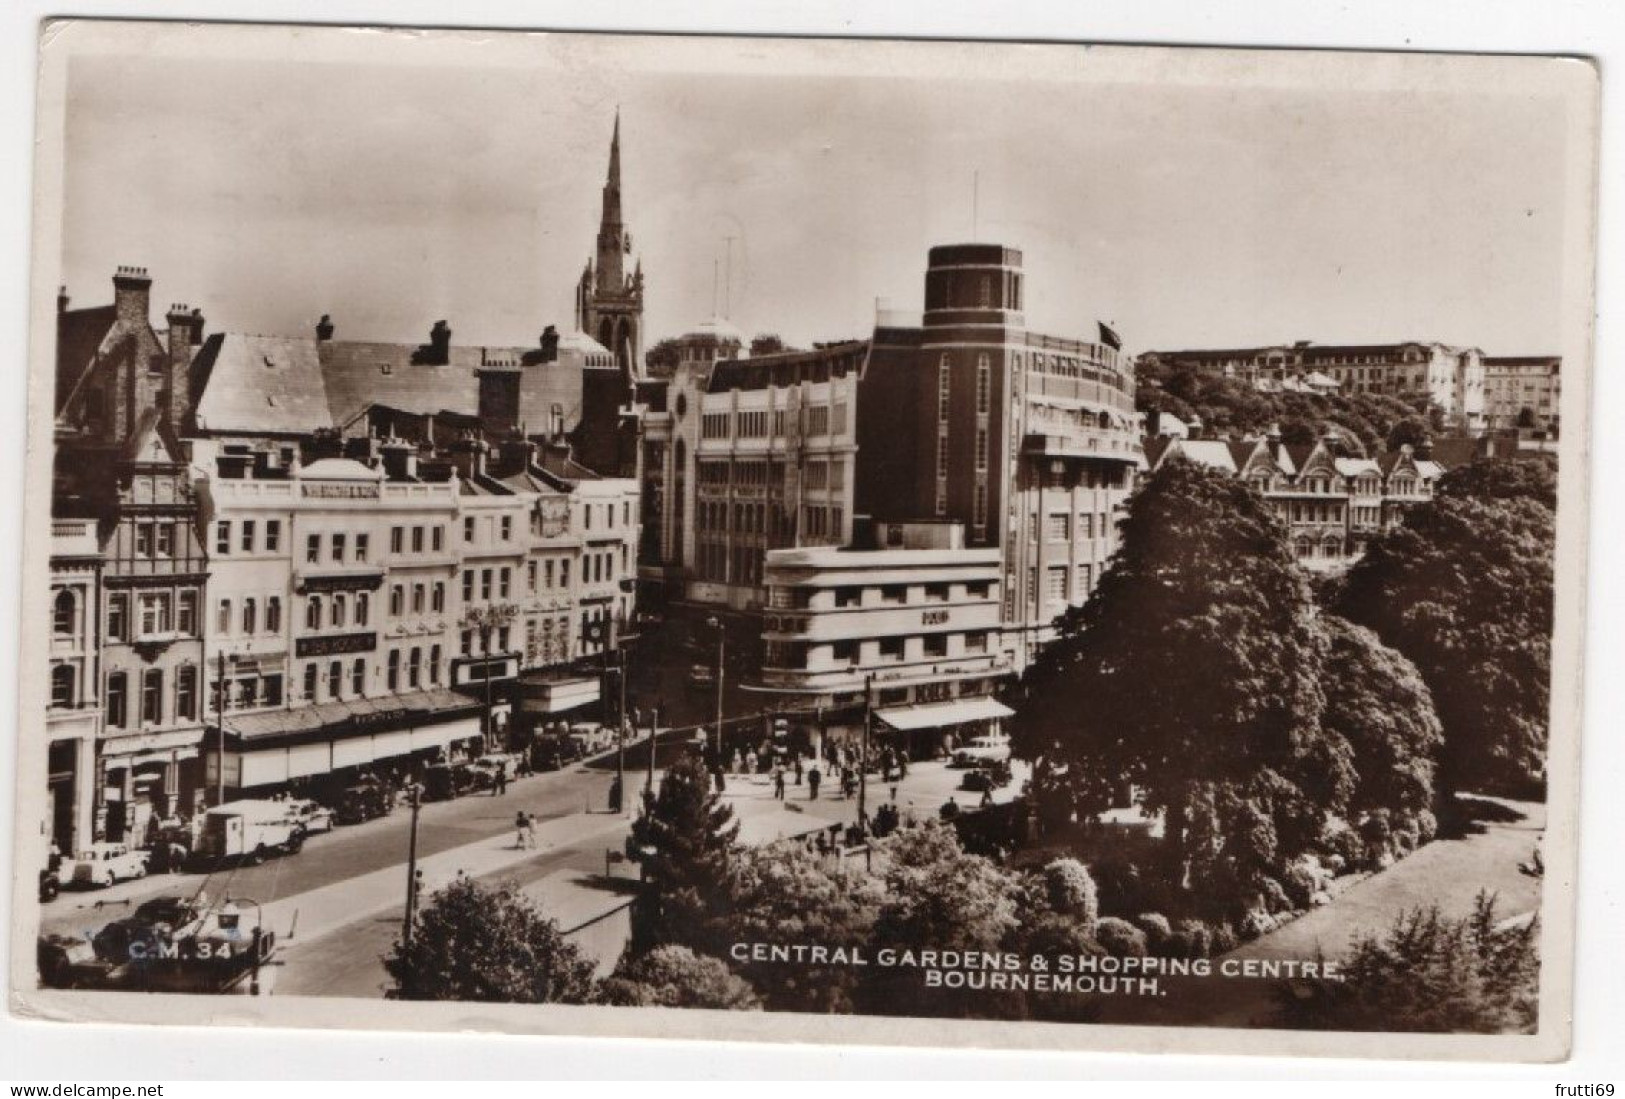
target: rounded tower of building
<point>973,284</point>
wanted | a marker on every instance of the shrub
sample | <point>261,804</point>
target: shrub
<point>1378,832</point>
<point>1274,896</point>
<point>1346,844</point>
<point>675,976</point>
<point>1072,892</point>
<point>1198,939</point>
<point>1223,940</point>
<point>1301,883</point>
<point>1427,826</point>
<point>1156,928</point>
<point>1120,938</point>
<point>1257,922</point>
<point>1407,837</point>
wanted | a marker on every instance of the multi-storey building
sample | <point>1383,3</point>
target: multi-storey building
<point>912,621</point>
<point>1331,503</point>
<point>1523,391</point>
<point>745,456</point>
<point>1452,378</point>
<point>73,717</point>
<point>1030,441</point>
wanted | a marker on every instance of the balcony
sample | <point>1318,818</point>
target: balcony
<point>1059,441</point>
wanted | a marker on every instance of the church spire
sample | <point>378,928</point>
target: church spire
<point>612,238</point>
<point>609,305</point>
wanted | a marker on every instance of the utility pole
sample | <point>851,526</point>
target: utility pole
<point>220,728</point>
<point>414,794</point>
<point>654,735</point>
<point>863,754</point>
<point>722,644</point>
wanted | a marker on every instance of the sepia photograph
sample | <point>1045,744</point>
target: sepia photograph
<point>983,543</point>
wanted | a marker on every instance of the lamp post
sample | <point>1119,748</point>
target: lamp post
<point>220,728</point>
<point>654,735</point>
<point>722,643</point>
<point>414,796</point>
<point>863,752</point>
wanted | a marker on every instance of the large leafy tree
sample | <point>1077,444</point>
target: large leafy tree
<point>489,944</point>
<point>783,895</point>
<point>1376,700</point>
<point>685,841</point>
<point>675,976</point>
<point>1193,673</point>
<point>1464,589</point>
<point>1531,478</point>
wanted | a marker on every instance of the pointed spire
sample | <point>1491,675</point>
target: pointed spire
<point>615,153</point>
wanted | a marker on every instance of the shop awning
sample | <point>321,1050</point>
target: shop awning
<point>359,716</point>
<point>935,715</point>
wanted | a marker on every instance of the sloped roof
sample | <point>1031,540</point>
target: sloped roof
<point>1353,467</point>
<point>358,374</point>
<point>1207,452</point>
<point>261,384</point>
<point>80,334</point>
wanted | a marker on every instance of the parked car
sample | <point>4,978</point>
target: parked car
<point>251,829</point>
<point>101,864</point>
<point>485,769</point>
<point>444,781</point>
<point>988,748</point>
<point>554,753</point>
<point>312,815</point>
<point>363,802</point>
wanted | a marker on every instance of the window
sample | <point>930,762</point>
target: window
<point>338,547</point>
<point>468,528</point>
<point>984,385</point>
<point>222,538</point>
<point>118,617</point>
<point>397,539</point>
<point>979,506</point>
<point>414,668</point>
<point>981,450</point>
<point>152,696</point>
<point>310,682</point>
<point>485,585</point>
<point>186,692</point>
<point>530,576</point>
<point>894,593</point>
<point>437,597</point>
<point>143,540</point>
<point>844,652</point>
<point>937,592</point>
<point>313,548</point>
<point>313,613</point>
<point>548,566</point>
<point>250,616</point>
<point>397,601</point>
<point>273,614</point>
<point>503,582</point>
<point>439,538</point>
<point>417,539</point>
<point>936,644</point>
<point>273,690</point>
<point>434,663</point>
<point>358,677</point>
<point>339,607</point>
<point>63,681</point>
<point>273,535</point>
<point>335,679</point>
<point>976,642</point>
<point>361,547</point>
<point>1055,528</point>
<point>466,642</point>
<point>166,538</point>
<point>363,604</point>
<point>1085,582</point>
<point>468,586</point>
<point>222,622</point>
<point>564,574</point>
<point>394,676</point>
<point>507,528</point>
<point>117,700</point>
<point>155,608</point>
<point>248,536</point>
<point>186,614</point>
<point>944,370</point>
<point>891,648</point>
<point>504,639</point>
<point>64,613</point>
<point>417,598</point>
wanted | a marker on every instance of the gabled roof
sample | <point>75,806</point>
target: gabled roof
<point>80,336</point>
<point>253,384</point>
<point>1212,453</point>
<point>1353,467</point>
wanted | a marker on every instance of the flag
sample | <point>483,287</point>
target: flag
<point>1110,338</point>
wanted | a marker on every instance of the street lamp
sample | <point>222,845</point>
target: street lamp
<point>414,797</point>
<point>863,753</point>
<point>722,643</point>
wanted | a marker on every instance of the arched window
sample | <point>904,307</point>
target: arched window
<point>64,613</point>
<point>1331,548</point>
<point>1304,548</point>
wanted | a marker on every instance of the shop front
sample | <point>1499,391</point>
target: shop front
<point>298,750</point>
<point>930,730</point>
<point>144,779</point>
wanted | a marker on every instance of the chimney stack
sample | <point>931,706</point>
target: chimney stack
<point>132,293</point>
<point>400,459</point>
<point>324,328</point>
<point>439,344</point>
<point>550,344</point>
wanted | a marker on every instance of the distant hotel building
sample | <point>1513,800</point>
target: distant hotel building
<point>1452,378</point>
<point>1523,391</point>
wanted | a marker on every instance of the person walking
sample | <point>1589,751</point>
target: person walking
<point>520,823</point>
<point>799,768</point>
<point>813,778</point>
<point>778,783</point>
<point>500,788</point>
<point>530,831</point>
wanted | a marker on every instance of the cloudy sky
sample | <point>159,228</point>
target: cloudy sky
<point>392,180</point>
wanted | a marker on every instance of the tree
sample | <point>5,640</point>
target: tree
<point>1298,432</point>
<point>1533,478</point>
<point>1377,702</point>
<point>1464,589</point>
<point>1193,673</point>
<point>783,895</point>
<point>675,976</point>
<point>685,840</point>
<point>938,897</point>
<point>1430,974</point>
<point>1412,431</point>
<point>487,944</point>
<point>1526,417</point>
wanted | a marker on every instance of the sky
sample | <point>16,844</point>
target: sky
<point>392,184</point>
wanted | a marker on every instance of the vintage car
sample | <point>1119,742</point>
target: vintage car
<point>978,750</point>
<point>553,752</point>
<point>313,816</point>
<point>168,944</point>
<point>444,781</point>
<point>363,802</point>
<point>252,829</point>
<point>101,864</point>
<point>485,769</point>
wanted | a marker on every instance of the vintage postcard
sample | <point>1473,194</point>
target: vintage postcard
<point>834,540</point>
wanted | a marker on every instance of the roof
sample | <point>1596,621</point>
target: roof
<point>1207,452</point>
<point>339,469</point>
<point>580,341</point>
<point>80,334</point>
<point>261,384</point>
<point>1353,467</point>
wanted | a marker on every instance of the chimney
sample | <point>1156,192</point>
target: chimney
<point>1273,438</point>
<point>550,344</point>
<point>400,459</point>
<point>62,299</point>
<point>512,456</point>
<point>439,344</point>
<point>468,456</point>
<point>132,292</point>
<point>185,331</point>
<point>324,328</point>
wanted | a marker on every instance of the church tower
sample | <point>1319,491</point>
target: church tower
<point>609,303</point>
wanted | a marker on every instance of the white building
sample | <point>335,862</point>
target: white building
<point>73,717</point>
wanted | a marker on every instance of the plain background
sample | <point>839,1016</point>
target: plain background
<point>39,1052</point>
